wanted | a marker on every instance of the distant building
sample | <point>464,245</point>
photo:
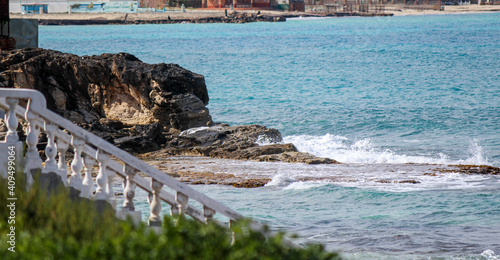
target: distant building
<point>65,6</point>
<point>152,4</point>
<point>264,4</point>
<point>296,5</point>
<point>35,8</point>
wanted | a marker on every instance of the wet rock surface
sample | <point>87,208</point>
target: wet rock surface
<point>159,111</point>
<point>400,177</point>
<point>248,142</point>
<point>476,169</point>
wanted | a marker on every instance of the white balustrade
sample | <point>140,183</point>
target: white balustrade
<point>129,185</point>
<point>129,188</point>
<point>88,182</point>
<point>174,210</point>
<point>155,203</point>
<point>100,150</point>
<point>182,201</point>
<point>33,160</point>
<point>62,148</point>
<point>11,121</point>
<point>102,178</point>
<point>75,180</point>
<point>11,146</point>
<point>208,213</point>
<point>51,149</point>
<point>109,186</point>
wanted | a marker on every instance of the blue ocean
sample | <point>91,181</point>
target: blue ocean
<point>386,96</point>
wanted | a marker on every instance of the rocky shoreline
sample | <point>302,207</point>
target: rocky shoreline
<point>156,111</point>
<point>178,17</point>
<point>248,174</point>
<point>235,17</point>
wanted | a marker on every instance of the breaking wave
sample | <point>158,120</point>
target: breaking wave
<point>345,150</point>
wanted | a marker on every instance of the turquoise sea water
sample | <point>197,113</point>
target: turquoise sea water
<point>364,91</point>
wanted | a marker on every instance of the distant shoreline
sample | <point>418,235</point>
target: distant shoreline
<point>240,16</point>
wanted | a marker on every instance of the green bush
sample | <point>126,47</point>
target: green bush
<point>51,226</point>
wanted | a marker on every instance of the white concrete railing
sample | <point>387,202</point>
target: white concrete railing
<point>90,150</point>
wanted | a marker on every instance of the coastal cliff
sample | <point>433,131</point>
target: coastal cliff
<point>114,86</point>
<point>141,107</point>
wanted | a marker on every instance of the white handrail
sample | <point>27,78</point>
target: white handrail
<point>93,144</point>
<point>37,103</point>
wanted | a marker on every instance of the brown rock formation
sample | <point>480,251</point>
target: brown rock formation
<point>114,86</point>
<point>237,142</point>
<point>140,107</point>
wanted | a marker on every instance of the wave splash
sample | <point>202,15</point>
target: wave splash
<point>344,150</point>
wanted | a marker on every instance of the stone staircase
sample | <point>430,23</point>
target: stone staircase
<point>89,151</point>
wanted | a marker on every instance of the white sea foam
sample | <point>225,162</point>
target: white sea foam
<point>265,140</point>
<point>307,18</point>
<point>281,180</point>
<point>288,182</point>
<point>305,185</point>
<point>490,255</point>
<point>193,130</point>
<point>477,157</point>
<point>344,150</point>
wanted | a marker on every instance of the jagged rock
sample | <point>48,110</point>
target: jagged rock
<point>224,133</point>
<point>3,126</point>
<point>248,142</point>
<point>295,157</point>
<point>142,138</point>
<point>141,107</point>
<point>113,124</point>
<point>137,144</point>
<point>119,87</point>
<point>475,169</point>
<point>152,131</point>
<point>253,153</point>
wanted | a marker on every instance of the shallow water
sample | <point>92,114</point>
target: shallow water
<point>375,93</point>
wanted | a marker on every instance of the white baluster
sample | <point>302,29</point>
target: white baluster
<point>155,203</point>
<point>77,164</point>
<point>208,213</point>
<point>102,178</point>
<point>174,211</point>
<point>62,147</point>
<point>12,121</point>
<point>182,201</point>
<point>109,186</point>
<point>233,235</point>
<point>129,191</point>
<point>88,182</point>
<point>33,160</point>
<point>129,185</point>
<point>50,149</point>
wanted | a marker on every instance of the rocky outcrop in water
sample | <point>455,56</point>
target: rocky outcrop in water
<point>114,86</point>
<point>140,107</point>
<point>249,142</point>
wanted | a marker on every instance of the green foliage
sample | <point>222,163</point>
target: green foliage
<point>51,226</point>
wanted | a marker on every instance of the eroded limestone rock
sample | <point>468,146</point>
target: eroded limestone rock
<point>113,86</point>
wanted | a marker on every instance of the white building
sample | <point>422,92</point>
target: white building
<point>63,6</point>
